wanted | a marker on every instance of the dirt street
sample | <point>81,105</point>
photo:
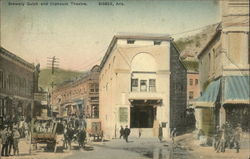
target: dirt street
<point>185,147</point>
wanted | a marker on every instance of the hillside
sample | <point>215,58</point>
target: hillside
<point>59,76</point>
<point>190,46</point>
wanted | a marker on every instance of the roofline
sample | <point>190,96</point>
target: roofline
<point>215,35</point>
<point>175,46</point>
<point>131,37</point>
<point>16,58</point>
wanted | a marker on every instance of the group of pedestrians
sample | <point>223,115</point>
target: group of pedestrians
<point>124,133</point>
<point>227,137</point>
<point>10,138</point>
<point>73,133</point>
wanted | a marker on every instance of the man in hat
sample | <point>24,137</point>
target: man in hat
<point>16,137</point>
<point>4,136</point>
<point>237,134</point>
<point>126,133</point>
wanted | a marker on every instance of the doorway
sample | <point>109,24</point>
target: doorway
<point>142,116</point>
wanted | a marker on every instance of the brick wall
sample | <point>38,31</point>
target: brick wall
<point>178,89</point>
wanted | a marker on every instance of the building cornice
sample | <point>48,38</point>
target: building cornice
<point>131,37</point>
<point>14,58</point>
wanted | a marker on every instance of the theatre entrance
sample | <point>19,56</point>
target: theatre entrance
<point>142,116</point>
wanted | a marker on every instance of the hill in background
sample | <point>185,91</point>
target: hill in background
<point>192,45</point>
<point>59,77</point>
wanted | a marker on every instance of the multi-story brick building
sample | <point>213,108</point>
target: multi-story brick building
<point>79,97</point>
<point>142,85</point>
<point>193,88</point>
<point>18,82</point>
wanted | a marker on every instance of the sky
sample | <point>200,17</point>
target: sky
<point>79,35</point>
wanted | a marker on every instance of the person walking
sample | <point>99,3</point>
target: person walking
<point>121,132</point>
<point>4,136</point>
<point>216,137</point>
<point>173,135</point>
<point>81,138</point>
<point>160,134</point>
<point>16,137</point>
<point>140,131</point>
<point>10,139</point>
<point>221,145</point>
<point>126,133</point>
<point>237,134</point>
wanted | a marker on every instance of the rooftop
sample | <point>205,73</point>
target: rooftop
<point>16,58</point>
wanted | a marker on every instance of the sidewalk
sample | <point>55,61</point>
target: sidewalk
<point>188,141</point>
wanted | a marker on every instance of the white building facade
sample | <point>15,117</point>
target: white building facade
<point>135,85</point>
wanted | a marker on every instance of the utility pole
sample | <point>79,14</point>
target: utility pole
<point>53,63</point>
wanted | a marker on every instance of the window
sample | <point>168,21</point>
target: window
<point>134,85</point>
<point>130,41</point>
<point>1,80</point>
<point>94,98</point>
<point>95,111</point>
<point>143,87</point>
<point>157,42</point>
<point>152,85</point>
<point>190,82</point>
<point>94,87</point>
<point>191,94</point>
<point>196,81</point>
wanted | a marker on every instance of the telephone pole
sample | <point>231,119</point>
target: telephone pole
<point>53,63</point>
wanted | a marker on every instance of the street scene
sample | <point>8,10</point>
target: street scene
<point>124,79</point>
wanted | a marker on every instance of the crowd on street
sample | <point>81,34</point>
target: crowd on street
<point>224,137</point>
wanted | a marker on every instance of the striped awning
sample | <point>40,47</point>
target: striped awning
<point>236,90</point>
<point>209,96</point>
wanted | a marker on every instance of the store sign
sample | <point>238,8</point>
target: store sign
<point>40,97</point>
<point>123,114</point>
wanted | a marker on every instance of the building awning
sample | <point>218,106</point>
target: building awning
<point>78,101</point>
<point>209,96</point>
<point>236,90</point>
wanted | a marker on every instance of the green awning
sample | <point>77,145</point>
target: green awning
<point>209,96</point>
<point>237,90</point>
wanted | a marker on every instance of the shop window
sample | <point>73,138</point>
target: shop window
<point>134,85</point>
<point>157,42</point>
<point>191,94</point>
<point>152,84</point>
<point>130,41</point>
<point>143,86</point>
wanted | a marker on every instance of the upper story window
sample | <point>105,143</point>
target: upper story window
<point>1,80</point>
<point>134,85</point>
<point>157,42</point>
<point>94,87</point>
<point>196,81</point>
<point>152,85</point>
<point>191,95</point>
<point>143,86</point>
<point>190,82</point>
<point>130,41</point>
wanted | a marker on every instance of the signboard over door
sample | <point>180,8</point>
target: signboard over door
<point>123,114</point>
